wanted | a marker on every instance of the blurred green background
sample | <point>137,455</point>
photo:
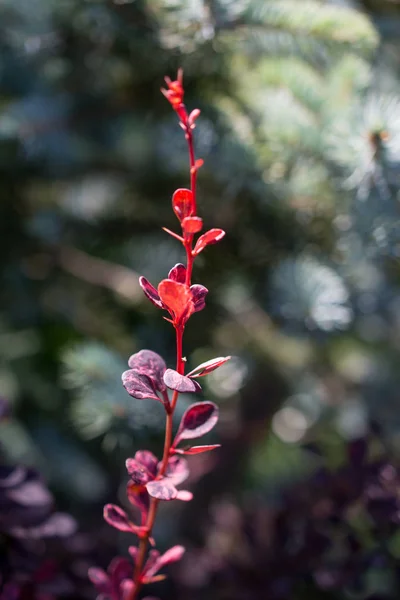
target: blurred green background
<point>300,134</point>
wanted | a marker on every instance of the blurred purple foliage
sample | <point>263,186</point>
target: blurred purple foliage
<point>335,533</point>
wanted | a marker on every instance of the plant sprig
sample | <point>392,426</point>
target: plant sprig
<point>153,480</point>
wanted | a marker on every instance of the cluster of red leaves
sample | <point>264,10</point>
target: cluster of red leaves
<point>173,295</point>
<point>152,480</point>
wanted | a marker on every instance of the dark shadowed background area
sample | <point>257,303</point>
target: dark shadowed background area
<point>300,134</point>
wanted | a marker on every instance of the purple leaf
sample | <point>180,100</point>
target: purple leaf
<point>100,579</point>
<point>58,525</point>
<point>148,460</point>
<point>127,587</point>
<point>199,293</point>
<point>162,489</point>
<point>120,570</point>
<point>151,364</point>
<point>184,495</point>
<point>11,476</point>
<point>197,449</point>
<point>207,367</point>
<point>138,496</point>
<point>177,470</point>
<point>109,584</point>
<point>142,468</point>
<point>180,383</point>
<point>116,517</point>
<point>178,273</point>
<point>170,556</point>
<point>138,473</point>
<point>198,419</point>
<point>31,493</point>
<point>150,292</point>
<point>152,559</point>
<point>139,386</point>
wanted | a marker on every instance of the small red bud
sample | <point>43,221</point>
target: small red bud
<point>199,163</point>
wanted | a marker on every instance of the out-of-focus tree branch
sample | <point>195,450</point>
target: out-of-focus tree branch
<point>122,281</point>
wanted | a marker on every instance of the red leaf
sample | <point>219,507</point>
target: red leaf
<point>207,367</point>
<point>178,273</point>
<point>182,203</point>
<point>197,449</point>
<point>116,517</point>
<point>180,383</point>
<point>192,224</point>
<point>198,420</point>
<point>177,297</point>
<point>210,237</point>
<point>162,489</point>
<point>150,292</point>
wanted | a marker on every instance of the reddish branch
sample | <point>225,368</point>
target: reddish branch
<point>152,481</point>
<point>174,94</point>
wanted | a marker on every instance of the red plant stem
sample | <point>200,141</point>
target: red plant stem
<point>151,517</point>
<point>189,260</point>
<point>193,174</point>
<point>193,170</point>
